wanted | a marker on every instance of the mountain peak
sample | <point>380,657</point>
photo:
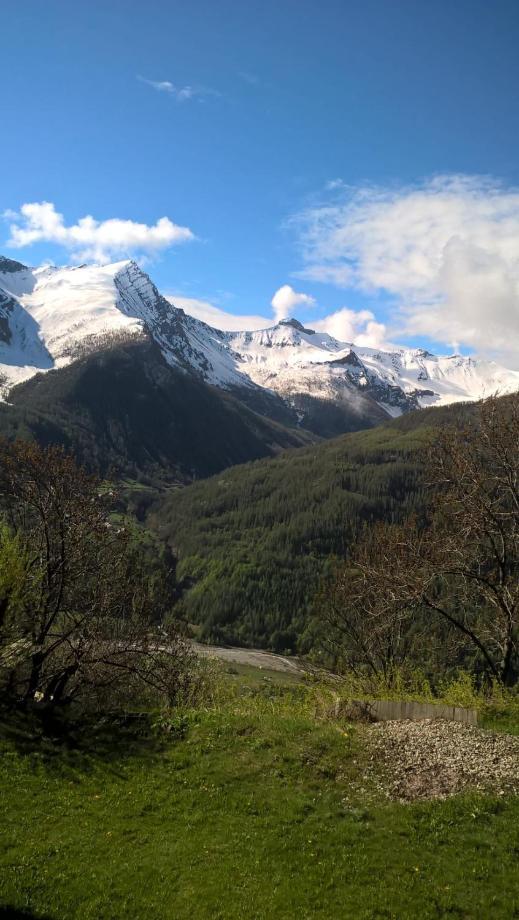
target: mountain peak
<point>292,321</point>
<point>9,266</point>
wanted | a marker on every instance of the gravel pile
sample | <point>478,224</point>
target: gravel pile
<point>434,758</point>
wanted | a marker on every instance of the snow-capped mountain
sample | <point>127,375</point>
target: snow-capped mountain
<point>292,359</point>
<point>51,316</point>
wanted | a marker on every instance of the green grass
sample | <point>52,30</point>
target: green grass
<point>501,718</point>
<point>497,707</point>
<point>250,810</point>
<point>246,675</point>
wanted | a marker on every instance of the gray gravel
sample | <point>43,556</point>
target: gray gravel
<point>249,656</point>
<point>434,758</point>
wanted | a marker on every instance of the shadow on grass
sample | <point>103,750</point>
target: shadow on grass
<point>14,913</point>
<point>79,745</point>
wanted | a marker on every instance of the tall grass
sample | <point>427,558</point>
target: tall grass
<point>497,706</point>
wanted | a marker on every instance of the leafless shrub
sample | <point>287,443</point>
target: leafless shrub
<point>78,608</point>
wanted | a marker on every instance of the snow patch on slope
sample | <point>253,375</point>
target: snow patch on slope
<point>53,310</point>
<point>289,358</point>
<point>48,314</point>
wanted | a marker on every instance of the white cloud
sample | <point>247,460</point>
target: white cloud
<point>286,299</point>
<point>356,326</point>
<point>90,239</point>
<point>345,325</point>
<point>218,318</point>
<point>180,93</point>
<point>251,78</point>
<point>339,275</point>
<point>162,86</point>
<point>333,184</point>
<point>446,251</point>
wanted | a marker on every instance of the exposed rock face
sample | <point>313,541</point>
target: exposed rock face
<point>8,266</point>
<point>7,305</point>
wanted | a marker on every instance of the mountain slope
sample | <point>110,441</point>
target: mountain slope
<point>123,410</point>
<point>293,360</point>
<point>298,377</point>
<point>254,542</point>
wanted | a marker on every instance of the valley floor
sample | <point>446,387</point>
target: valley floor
<point>253,808</point>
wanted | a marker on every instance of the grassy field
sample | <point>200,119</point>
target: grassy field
<point>252,809</point>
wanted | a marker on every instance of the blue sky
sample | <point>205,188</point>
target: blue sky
<point>299,142</point>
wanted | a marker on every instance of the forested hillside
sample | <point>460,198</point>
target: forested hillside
<point>124,412</point>
<point>254,542</point>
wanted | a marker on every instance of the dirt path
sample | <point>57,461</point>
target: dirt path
<point>249,656</point>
